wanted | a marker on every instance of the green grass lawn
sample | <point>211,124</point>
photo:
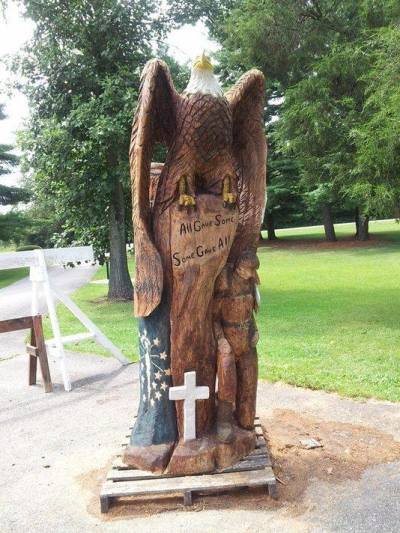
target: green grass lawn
<point>382,229</point>
<point>330,318</point>
<point>13,274</point>
<point>115,320</point>
<point>6,247</point>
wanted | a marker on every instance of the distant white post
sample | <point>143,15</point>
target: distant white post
<point>189,393</point>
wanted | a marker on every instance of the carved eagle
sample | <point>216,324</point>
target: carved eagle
<point>216,144</point>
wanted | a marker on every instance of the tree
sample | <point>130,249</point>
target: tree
<point>7,162</point>
<point>291,41</point>
<point>12,223</point>
<point>82,72</point>
<point>319,115</point>
<point>284,38</point>
<point>285,205</point>
<point>377,137</point>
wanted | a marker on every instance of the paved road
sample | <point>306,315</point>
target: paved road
<point>15,301</point>
<point>56,450</point>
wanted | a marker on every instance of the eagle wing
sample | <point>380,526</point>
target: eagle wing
<point>154,121</point>
<point>246,99</point>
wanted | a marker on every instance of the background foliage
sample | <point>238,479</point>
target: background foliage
<point>332,64</point>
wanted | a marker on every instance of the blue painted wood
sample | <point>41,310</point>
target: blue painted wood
<point>156,419</point>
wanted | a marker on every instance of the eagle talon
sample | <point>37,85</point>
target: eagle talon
<point>187,200</point>
<point>229,199</point>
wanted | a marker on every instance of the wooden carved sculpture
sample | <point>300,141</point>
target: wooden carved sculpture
<point>197,220</point>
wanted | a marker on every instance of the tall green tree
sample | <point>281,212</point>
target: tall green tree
<point>285,204</point>
<point>295,42</point>
<point>284,196</point>
<point>81,72</point>
<point>377,136</point>
<point>11,223</point>
<point>319,115</point>
<point>7,162</point>
<point>285,38</point>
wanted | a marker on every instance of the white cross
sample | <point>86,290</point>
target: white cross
<point>189,393</point>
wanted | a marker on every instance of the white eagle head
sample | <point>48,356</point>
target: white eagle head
<point>202,78</point>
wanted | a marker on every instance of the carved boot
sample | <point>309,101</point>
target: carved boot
<point>225,422</point>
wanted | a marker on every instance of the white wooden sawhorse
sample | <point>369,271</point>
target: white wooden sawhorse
<point>38,261</point>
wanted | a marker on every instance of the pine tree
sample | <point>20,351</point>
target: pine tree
<point>10,223</point>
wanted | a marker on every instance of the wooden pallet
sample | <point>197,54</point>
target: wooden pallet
<point>253,471</point>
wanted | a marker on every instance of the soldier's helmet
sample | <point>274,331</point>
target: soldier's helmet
<point>248,263</point>
<point>248,259</point>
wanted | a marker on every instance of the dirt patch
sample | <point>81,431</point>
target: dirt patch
<point>315,244</point>
<point>347,451</point>
<point>101,300</point>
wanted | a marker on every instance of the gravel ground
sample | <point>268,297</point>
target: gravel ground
<point>56,449</point>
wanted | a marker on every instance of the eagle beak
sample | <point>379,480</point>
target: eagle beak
<point>203,63</point>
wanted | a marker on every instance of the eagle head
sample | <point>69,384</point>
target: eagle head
<point>202,78</point>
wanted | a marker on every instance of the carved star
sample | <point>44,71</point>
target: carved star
<point>157,394</point>
<point>154,385</point>
<point>163,355</point>
<point>156,341</point>
<point>167,371</point>
<point>164,386</point>
<point>158,375</point>
<point>152,402</point>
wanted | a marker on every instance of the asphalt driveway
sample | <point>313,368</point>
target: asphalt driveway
<point>56,449</point>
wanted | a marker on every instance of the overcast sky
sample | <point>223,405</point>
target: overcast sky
<point>185,44</point>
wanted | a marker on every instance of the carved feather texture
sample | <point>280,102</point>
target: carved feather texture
<point>208,137</point>
<point>154,121</point>
<point>246,99</point>
<point>201,147</point>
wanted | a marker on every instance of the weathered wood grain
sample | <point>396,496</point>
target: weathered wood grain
<point>15,324</point>
<point>254,470</point>
<point>206,482</point>
<point>189,232</point>
<point>200,244</point>
<point>37,339</point>
<point>120,472</point>
<point>36,349</point>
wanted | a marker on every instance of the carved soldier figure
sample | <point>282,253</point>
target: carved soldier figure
<point>235,300</point>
